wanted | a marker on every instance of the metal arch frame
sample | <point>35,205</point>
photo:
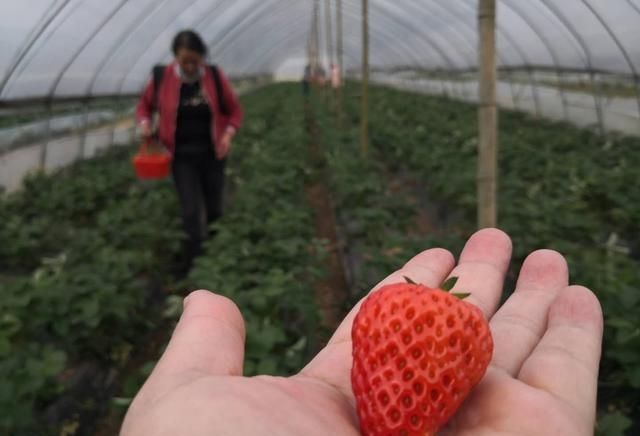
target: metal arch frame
<point>33,50</point>
<point>554,56</point>
<point>462,35</point>
<point>470,40</point>
<point>258,62</point>
<point>208,43</point>
<point>434,46</point>
<point>267,54</point>
<point>204,19</point>
<point>253,65</point>
<point>507,36</point>
<point>29,45</point>
<point>235,27</point>
<point>458,52</point>
<point>598,102</point>
<point>125,75</point>
<point>65,68</point>
<point>220,46</point>
<point>136,23</point>
<point>239,30</point>
<point>634,6</point>
<point>139,20</point>
<point>291,36</point>
<point>83,46</point>
<point>295,37</point>
<point>625,54</point>
<point>50,17</point>
<point>427,39</point>
<point>409,50</point>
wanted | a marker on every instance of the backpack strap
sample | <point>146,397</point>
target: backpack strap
<point>222,104</point>
<point>158,74</point>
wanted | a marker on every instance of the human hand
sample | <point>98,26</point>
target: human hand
<point>224,145</point>
<point>145,130</point>
<point>542,379</point>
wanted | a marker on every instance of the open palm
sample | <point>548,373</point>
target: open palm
<point>542,379</point>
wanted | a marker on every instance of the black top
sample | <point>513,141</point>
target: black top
<point>193,128</point>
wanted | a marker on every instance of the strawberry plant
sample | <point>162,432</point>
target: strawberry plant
<point>81,251</point>
<point>264,255</point>
<point>560,187</point>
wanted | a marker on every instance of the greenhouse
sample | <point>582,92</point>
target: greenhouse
<point>303,217</point>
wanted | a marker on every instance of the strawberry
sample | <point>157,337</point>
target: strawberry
<point>417,353</point>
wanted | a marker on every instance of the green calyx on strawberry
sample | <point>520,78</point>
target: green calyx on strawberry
<point>417,353</point>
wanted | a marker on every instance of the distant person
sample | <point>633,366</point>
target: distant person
<point>320,75</point>
<point>336,80</point>
<point>199,115</point>
<point>306,80</point>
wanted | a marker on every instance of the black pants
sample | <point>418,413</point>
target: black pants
<point>199,180</point>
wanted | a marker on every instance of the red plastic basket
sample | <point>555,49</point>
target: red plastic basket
<point>151,165</point>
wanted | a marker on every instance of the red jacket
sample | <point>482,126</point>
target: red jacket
<point>169,96</point>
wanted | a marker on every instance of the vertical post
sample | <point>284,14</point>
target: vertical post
<point>364,121</point>
<point>316,63</point>
<point>85,130</point>
<point>47,134</point>
<point>313,42</point>
<point>329,48</point>
<point>329,32</point>
<point>340,55</point>
<point>487,116</point>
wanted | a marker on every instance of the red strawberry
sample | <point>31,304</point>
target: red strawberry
<point>417,353</point>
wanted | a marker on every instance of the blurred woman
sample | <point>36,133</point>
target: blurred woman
<point>198,115</point>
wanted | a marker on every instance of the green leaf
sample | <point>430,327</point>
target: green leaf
<point>613,424</point>
<point>121,402</point>
<point>449,284</point>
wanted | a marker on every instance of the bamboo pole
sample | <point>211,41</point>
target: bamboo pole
<point>340,54</point>
<point>364,122</point>
<point>316,38</point>
<point>487,117</point>
<point>329,48</point>
<point>330,56</point>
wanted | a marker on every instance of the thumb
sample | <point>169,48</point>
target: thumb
<point>209,339</point>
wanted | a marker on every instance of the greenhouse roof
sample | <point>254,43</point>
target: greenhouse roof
<point>83,48</point>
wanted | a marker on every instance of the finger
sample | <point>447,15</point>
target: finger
<point>208,340</point>
<point>565,361</point>
<point>333,363</point>
<point>520,323</point>
<point>482,268</point>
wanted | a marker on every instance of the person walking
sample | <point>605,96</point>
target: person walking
<point>198,116</point>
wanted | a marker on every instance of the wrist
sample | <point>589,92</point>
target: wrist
<point>230,130</point>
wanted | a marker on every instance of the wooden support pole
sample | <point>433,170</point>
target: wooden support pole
<point>330,53</point>
<point>340,61</point>
<point>487,117</point>
<point>364,121</point>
